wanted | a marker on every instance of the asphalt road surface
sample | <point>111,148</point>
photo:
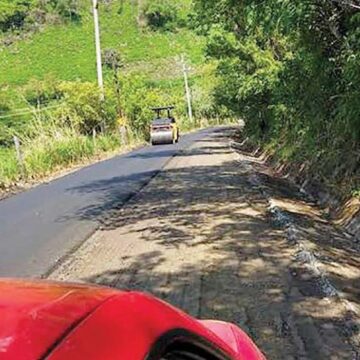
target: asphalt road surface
<point>39,227</point>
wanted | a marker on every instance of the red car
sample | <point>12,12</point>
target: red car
<point>56,321</point>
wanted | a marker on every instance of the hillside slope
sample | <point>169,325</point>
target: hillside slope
<point>48,90</point>
<point>67,51</point>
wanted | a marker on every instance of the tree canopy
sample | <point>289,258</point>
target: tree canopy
<point>290,68</point>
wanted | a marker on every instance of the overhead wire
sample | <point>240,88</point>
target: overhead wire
<point>28,112</point>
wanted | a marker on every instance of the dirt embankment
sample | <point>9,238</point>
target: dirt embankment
<point>342,210</point>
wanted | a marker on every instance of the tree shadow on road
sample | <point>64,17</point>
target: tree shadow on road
<point>214,251</point>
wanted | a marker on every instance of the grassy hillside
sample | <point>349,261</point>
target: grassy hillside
<point>54,65</point>
<point>67,51</point>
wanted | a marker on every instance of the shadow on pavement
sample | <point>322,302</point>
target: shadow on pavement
<point>235,264</point>
<point>209,150</point>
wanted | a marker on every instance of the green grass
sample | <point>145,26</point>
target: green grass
<point>44,156</point>
<point>47,155</point>
<point>67,51</point>
<point>9,170</point>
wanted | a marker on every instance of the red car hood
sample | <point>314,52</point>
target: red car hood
<point>32,314</point>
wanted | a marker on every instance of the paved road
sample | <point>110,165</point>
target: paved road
<point>40,226</point>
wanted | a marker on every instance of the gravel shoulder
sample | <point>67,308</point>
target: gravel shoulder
<point>217,234</point>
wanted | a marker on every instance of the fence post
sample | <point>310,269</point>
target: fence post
<point>19,156</point>
<point>123,135</point>
<point>94,135</point>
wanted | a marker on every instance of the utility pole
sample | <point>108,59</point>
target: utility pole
<point>98,49</point>
<point>187,88</point>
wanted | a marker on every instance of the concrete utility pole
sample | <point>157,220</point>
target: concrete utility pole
<point>98,49</point>
<point>187,88</point>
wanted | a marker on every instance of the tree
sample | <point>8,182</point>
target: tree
<point>291,69</point>
<point>159,14</point>
<point>67,8</point>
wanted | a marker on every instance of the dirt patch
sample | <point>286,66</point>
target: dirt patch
<point>217,234</point>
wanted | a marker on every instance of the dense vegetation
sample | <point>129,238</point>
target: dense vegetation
<point>29,14</point>
<point>291,69</point>
<point>48,92</point>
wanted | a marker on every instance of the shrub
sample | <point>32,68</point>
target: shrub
<point>68,9</point>
<point>40,92</point>
<point>83,110</point>
<point>17,14</point>
<point>138,96</point>
<point>160,14</point>
<point>13,13</point>
<point>5,134</point>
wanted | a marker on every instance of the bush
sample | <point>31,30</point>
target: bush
<point>41,92</point>
<point>67,9</point>
<point>83,110</point>
<point>160,14</point>
<point>293,76</point>
<point>138,96</point>
<point>17,14</point>
<point>5,134</point>
<point>13,13</point>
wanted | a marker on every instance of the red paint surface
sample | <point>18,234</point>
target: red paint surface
<point>78,322</point>
<point>238,340</point>
<point>33,315</point>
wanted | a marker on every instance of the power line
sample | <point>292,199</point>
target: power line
<point>28,112</point>
<point>23,109</point>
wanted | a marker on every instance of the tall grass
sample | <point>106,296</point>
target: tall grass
<point>55,149</point>
<point>66,52</point>
<point>9,169</point>
<point>46,155</point>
